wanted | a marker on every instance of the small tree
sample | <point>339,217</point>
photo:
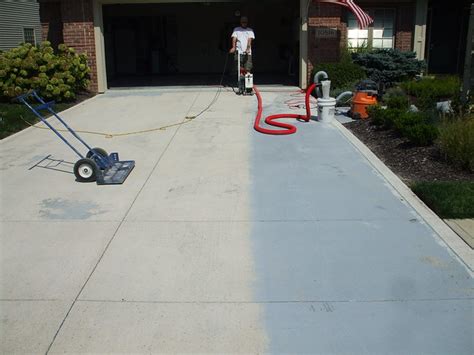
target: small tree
<point>343,73</point>
<point>389,66</point>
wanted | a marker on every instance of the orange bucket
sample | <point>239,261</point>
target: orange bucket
<point>360,102</point>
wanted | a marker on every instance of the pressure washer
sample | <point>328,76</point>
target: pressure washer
<point>244,78</point>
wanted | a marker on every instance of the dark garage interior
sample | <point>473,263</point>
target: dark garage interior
<point>187,43</point>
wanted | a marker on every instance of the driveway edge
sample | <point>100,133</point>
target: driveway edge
<point>449,237</point>
<point>19,133</point>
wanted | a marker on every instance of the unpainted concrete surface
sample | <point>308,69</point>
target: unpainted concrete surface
<point>464,228</point>
<point>221,240</point>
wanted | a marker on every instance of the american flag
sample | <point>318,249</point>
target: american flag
<point>363,18</point>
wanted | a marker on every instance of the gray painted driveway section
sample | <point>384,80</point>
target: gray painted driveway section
<point>345,264</point>
<point>222,240</point>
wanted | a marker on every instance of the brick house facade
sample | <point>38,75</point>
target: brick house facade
<point>72,22</point>
<point>325,15</point>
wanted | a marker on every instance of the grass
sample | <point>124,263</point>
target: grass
<point>447,199</point>
<point>11,114</point>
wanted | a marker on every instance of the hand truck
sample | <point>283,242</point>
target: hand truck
<point>96,165</point>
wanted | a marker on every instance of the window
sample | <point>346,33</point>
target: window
<point>357,37</point>
<point>29,35</point>
<point>378,35</point>
<point>382,28</point>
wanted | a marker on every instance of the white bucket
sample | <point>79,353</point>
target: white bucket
<point>326,88</point>
<point>326,109</point>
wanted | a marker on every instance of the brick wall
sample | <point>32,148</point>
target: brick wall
<point>51,23</point>
<point>333,16</point>
<point>78,31</point>
<point>405,27</point>
<point>328,19</point>
<point>77,25</point>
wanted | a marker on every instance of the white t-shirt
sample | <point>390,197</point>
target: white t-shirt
<point>243,35</point>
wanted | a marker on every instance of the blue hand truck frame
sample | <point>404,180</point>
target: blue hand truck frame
<point>96,165</point>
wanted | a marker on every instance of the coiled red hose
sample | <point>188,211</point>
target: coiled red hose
<point>271,120</point>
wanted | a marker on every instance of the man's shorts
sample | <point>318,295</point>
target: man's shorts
<point>245,61</point>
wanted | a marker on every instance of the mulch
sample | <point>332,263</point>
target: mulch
<point>410,163</point>
<point>82,96</point>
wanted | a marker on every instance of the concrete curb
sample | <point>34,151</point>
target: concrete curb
<point>447,235</point>
<point>23,131</point>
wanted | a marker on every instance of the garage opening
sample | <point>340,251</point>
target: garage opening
<point>187,43</point>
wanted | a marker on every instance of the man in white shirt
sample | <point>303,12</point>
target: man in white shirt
<point>242,39</point>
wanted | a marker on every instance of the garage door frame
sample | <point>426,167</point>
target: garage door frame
<point>100,43</point>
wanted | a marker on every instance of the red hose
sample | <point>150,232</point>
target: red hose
<point>270,120</point>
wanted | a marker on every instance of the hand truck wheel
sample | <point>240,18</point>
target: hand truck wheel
<point>85,170</point>
<point>98,151</point>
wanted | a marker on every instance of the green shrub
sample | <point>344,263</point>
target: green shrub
<point>456,142</point>
<point>384,117</point>
<point>421,134</point>
<point>408,119</point>
<point>376,115</point>
<point>416,127</point>
<point>343,74</point>
<point>397,102</point>
<point>389,66</point>
<point>428,91</point>
<point>441,88</point>
<point>396,99</point>
<point>391,116</point>
<point>56,76</point>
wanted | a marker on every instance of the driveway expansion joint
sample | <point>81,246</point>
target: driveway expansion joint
<point>282,301</point>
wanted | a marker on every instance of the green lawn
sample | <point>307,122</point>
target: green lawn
<point>10,117</point>
<point>447,199</point>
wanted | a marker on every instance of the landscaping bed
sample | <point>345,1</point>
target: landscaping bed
<point>14,115</point>
<point>411,163</point>
<point>446,189</point>
<point>56,74</point>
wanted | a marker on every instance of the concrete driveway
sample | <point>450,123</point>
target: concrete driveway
<point>222,240</point>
